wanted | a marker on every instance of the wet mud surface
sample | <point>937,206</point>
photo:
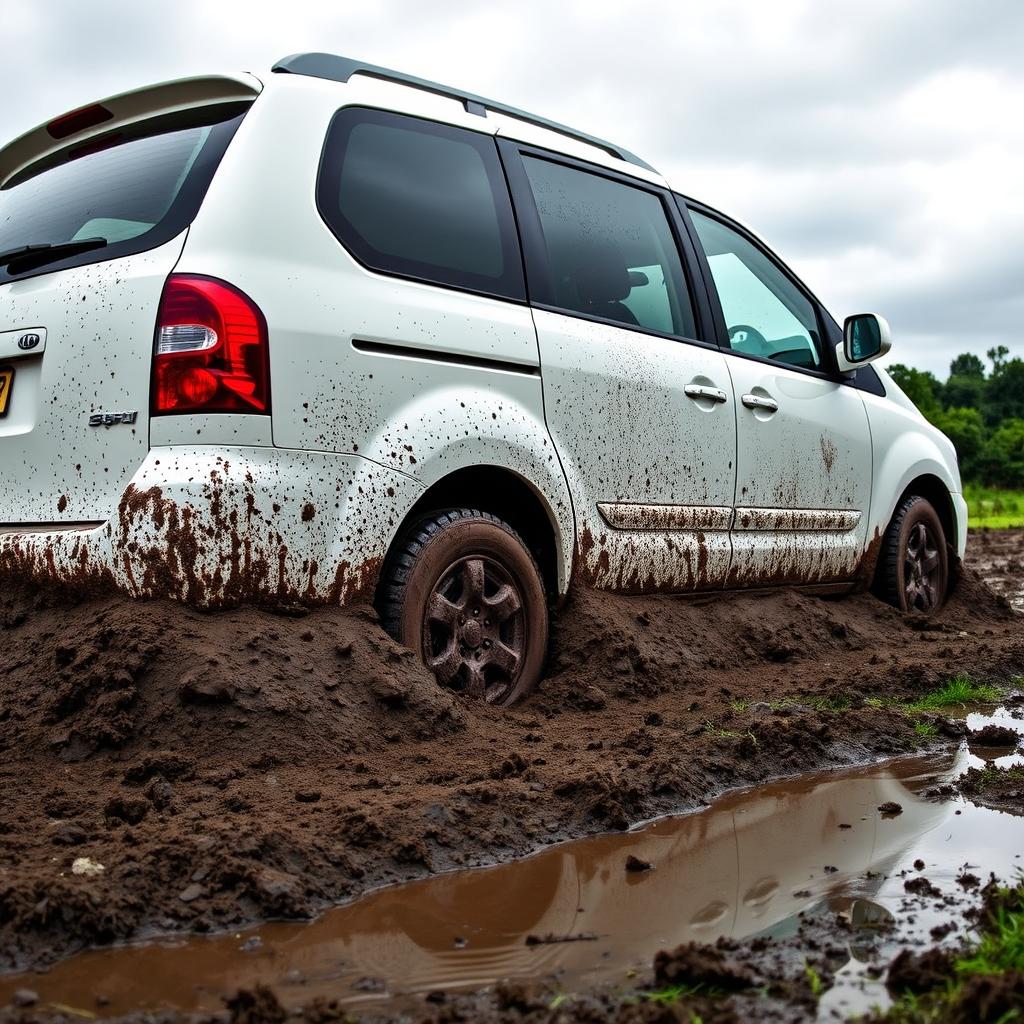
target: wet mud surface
<point>168,773</point>
<point>998,555</point>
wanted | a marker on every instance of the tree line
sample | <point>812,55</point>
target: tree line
<point>980,410</point>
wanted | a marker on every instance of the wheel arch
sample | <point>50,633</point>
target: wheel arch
<point>934,490</point>
<point>509,496</point>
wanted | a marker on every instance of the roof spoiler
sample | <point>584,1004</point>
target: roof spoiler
<point>117,111</point>
<point>341,69</point>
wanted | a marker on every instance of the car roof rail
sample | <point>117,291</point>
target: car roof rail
<point>340,69</point>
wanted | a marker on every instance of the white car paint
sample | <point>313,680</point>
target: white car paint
<point>643,487</point>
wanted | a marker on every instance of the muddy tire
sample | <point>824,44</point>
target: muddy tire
<point>913,566</point>
<point>462,590</point>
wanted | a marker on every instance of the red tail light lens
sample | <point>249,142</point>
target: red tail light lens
<point>212,353</point>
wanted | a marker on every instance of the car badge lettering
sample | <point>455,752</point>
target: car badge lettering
<point>27,342</point>
<point>111,419</point>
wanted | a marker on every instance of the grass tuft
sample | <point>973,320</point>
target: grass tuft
<point>961,689</point>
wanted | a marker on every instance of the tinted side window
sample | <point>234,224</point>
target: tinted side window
<point>766,314</point>
<point>422,200</point>
<point>610,251</point>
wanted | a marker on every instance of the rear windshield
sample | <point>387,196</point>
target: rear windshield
<point>129,190</point>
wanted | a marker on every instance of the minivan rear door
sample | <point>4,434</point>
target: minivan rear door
<point>90,229</point>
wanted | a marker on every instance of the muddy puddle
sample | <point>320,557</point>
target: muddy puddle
<point>754,863</point>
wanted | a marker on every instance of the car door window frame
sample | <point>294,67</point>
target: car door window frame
<point>829,369</point>
<point>535,255</point>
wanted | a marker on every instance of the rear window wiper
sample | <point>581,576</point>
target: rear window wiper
<point>36,255</point>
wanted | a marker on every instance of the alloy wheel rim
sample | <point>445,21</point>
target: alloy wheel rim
<point>474,629</point>
<point>922,567</point>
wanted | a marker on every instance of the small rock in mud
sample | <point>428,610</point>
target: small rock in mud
<point>696,964</point>
<point>636,865</point>
<point>87,868</point>
<point>191,893</point>
<point>994,736</point>
<point>890,809</point>
<point>23,997</point>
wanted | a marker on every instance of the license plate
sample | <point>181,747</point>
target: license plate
<point>6,382</point>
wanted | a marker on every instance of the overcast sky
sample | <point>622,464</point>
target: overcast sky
<point>878,147</point>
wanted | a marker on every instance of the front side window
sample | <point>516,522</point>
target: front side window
<point>609,251</point>
<point>421,200</point>
<point>766,314</point>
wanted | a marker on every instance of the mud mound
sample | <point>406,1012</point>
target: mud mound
<point>212,769</point>
<point>130,676</point>
<point>639,647</point>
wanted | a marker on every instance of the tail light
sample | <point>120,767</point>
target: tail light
<point>212,353</point>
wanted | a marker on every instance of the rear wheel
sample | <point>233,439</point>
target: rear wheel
<point>462,590</point>
<point>913,567</point>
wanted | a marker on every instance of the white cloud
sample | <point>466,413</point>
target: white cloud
<point>877,147</point>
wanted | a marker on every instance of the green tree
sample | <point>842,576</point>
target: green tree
<point>967,364</point>
<point>920,386</point>
<point>1004,392</point>
<point>998,356</point>
<point>1003,457</point>
<point>966,429</point>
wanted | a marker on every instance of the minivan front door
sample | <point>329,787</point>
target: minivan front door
<point>803,474</point>
<point>641,413</point>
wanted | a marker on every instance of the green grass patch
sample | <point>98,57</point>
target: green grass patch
<point>675,993</point>
<point>994,508</point>
<point>814,980</point>
<point>998,951</point>
<point>960,690</point>
<point>925,729</point>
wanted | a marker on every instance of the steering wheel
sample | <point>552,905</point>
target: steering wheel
<point>745,338</point>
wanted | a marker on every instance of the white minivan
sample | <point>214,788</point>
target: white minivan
<point>338,333</point>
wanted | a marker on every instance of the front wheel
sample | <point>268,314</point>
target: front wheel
<point>462,590</point>
<point>913,567</point>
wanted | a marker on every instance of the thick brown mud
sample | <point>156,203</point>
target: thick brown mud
<point>167,772</point>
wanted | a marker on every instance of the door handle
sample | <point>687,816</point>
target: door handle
<point>757,402</point>
<point>696,391</point>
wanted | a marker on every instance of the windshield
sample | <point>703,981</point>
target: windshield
<point>133,189</point>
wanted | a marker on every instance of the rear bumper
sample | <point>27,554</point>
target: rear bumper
<point>217,525</point>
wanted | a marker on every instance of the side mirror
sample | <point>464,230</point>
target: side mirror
<point>865,337</point>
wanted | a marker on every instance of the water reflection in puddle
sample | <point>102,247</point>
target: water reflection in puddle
<point>748,865</point>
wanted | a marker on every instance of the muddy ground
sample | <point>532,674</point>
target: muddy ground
<point>208,771</point>
<point>998,555</point>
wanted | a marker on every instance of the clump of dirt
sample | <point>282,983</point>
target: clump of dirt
<point>695,965</point>
<point>222,768</point>
<point>995,786</point>
<point>993,735</point>
<point>919,972</point>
